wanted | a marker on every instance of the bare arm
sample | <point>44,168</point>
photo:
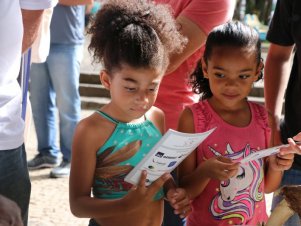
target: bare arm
<point>31,24</point>
<point>187,169</point>
<point>272,178</point>
<point>276,74</point>
<point>75,2</point>
<point>196,38</point>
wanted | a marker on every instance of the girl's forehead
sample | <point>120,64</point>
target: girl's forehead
<point>138,72</point>
<point>233,52</point>
<point>125,69</point>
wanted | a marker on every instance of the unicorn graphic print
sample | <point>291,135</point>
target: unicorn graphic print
<point>238,196</point>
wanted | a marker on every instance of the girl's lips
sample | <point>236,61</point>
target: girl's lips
<point>141,109</point>
<point>231,96</point>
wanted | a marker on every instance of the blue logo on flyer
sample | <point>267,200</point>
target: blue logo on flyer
<point>172,163</point>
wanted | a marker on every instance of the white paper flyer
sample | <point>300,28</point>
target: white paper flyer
<point>264,153</point>
<point>166,155</point>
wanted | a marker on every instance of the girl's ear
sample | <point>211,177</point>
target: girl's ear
<point>259,71</point>
<point>204,68</point>
<point>105,79</point>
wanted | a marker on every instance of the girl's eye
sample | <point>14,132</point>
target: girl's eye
<point>154,89</point>
<point>219,75</point>
<point>244,76</point>
<point>130,89</point>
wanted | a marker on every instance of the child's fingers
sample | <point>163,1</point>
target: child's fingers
<point>185,212</point>
<point>181,204</point>
<point>297,137</point>
<point>141,182</point>
<point>224,159</point>
<point>284,164</point>
<point>157,184</point>
<point>177,196</point>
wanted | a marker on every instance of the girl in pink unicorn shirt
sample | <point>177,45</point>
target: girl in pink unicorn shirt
<point>225,192</point>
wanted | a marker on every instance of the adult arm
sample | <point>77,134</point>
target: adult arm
<point>31,24</point>
<point>276,74</point>
<point>75,2</point>
<point>195,21</point>
<point>196,38</point>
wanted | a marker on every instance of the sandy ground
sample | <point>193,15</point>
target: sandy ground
<point>49,204</point>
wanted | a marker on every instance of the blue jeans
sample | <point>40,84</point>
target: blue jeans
<point>290,177</point>
<point>14,178</point>
<point>56,83</point>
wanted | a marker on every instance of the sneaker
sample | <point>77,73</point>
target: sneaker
<point>42,161</point>
<point>63,170</point>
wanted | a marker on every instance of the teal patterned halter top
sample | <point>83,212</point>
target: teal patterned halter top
<point>123,150</point>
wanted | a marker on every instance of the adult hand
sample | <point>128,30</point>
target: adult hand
<point>10,213</point>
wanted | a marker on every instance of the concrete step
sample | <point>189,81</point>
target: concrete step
<point>93,90</point>
<point>94,95</point>
<point>258,100</point>
<point>90,78</point>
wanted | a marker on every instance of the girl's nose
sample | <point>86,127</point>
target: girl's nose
<point>142,97</point>
<point>230,82</point>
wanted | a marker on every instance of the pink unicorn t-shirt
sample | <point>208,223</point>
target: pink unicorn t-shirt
<point>239,200</point>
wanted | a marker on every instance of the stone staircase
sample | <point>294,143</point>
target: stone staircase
<point>94,95</point>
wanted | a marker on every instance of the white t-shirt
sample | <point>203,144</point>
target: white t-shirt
<point>11,34</point>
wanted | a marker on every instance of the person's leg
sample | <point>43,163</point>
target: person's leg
<point>290,177</point>
<point>42,99</point>
<point>14,178</point>
<point>64,69</point>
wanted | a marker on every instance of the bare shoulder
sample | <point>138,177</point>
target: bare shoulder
<point>156,116</point>
<point>94,129</point>
<point>186,122</point>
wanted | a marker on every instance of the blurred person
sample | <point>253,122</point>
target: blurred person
<point>19,24</point>
<point>283,76</point>
<point>54,85</point>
